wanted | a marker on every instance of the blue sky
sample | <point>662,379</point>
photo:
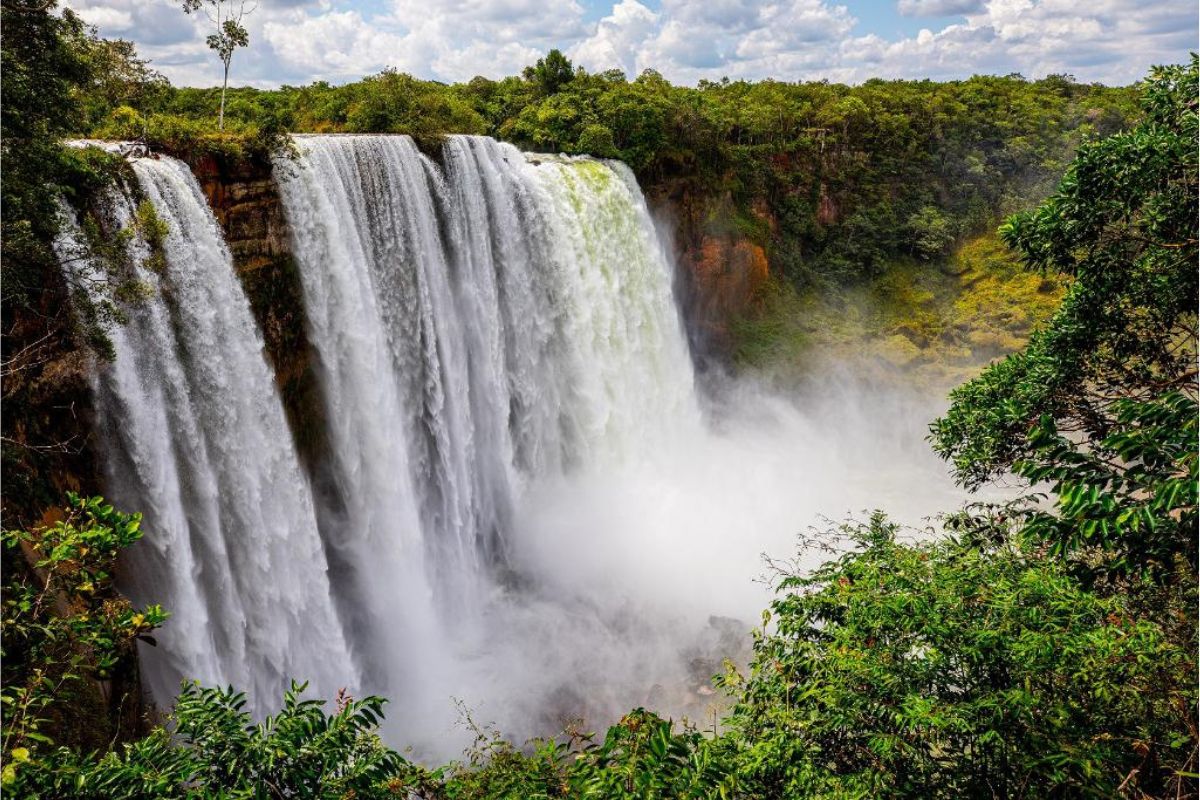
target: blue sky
<point>298,41</point>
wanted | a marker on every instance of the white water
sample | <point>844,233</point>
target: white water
<point>195,438</point>
<point>524,502</point>
<point>477,329</point>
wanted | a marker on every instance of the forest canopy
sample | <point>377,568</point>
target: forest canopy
<point>852,176</point>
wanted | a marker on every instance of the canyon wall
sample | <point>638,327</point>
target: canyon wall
<point>245,201</point>
<point>720,270</point>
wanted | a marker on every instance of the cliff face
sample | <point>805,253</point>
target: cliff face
<point>47,419</point>
<point>246,203</point>
<point>720,269</point>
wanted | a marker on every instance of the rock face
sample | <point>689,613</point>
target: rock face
<point>246,204</point>
<point>245,201</point>
<point>720,269</point>
<point>48,415</point>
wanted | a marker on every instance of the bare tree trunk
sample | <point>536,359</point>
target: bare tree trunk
<point>224,84</point>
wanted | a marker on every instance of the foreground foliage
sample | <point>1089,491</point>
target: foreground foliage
<point>1123,228</point>
<point>967,667</point>
<point>970,666</point>
<point>66,628</point>
<point>216,750</point>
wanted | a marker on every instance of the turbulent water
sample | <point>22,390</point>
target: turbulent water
<point>518,503</point>
<point>195,438</point>
<point>476,326</point>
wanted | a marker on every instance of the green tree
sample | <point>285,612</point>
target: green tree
<point>44,63</point>
<point>966,667</point>
<point>118,79</point>
<point>226,16</point>
<point>642,756</point>
<point>1122,227</point>
<point>1130,497</point>
<point>932,234</point>
<point>550,74</point>
<point>65,629</point>
<point>597,140</point>
<point>215,749</point>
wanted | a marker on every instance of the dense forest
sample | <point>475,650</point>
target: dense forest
<point>1045,647</point>
<point>851,175</point>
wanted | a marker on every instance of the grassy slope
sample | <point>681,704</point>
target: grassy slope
<point>933,324</point>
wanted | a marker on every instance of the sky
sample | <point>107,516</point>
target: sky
<point>300,41</point>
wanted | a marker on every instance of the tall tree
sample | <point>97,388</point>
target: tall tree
<point>227,16</point>
<point>551,73</point>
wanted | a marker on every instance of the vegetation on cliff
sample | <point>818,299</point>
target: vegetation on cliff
<point>67,632</point>
<point>933,324</point>
<point>835,181</point>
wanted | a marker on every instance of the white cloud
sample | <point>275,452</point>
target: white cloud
<point>618,38</point>
<point>1106,40</point>
<point>297,41</point>
<point>334,45</point>
<point>106,17</point>
<point>687,41</point>
<point>531,22</point>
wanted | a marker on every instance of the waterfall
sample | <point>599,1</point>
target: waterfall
<point>194,436</point>
<point>498,319</point>
<point>477,326</point>
<point>481,326</point>
<point>560,255</point>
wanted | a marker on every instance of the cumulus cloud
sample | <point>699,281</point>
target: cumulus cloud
<point>114,19</point>
<point>333,45</point>
<point>297,41</point>
<point>687,41</point>
<point>618,38</point>
<point>1107,40</point>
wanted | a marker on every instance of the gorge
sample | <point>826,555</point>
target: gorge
<point>514,459</point>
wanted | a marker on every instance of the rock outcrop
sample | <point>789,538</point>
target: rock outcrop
<point>720,269</point>
<point>246,203</point>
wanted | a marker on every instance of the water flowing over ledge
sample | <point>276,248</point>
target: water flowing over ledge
<point>195,438</point>
<point>477,327</point>
<point>514,498</point>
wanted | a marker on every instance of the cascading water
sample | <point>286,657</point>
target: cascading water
<point>476,328</point>
<point>581,313</point>
<point>195,438</point>
<point>518,503</point>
